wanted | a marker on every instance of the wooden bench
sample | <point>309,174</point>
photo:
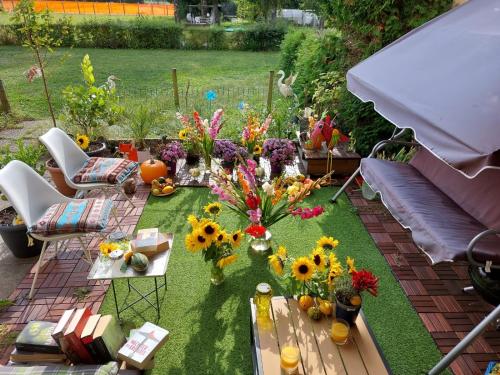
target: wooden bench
<point>319,355</point>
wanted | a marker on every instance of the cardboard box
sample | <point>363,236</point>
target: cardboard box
<point>150,242</point>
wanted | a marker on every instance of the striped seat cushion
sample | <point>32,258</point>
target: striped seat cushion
<point>86,215</point>
<point>110,368</point>
<point>109,170</point>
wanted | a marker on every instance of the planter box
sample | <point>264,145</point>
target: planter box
<point>315,161</point>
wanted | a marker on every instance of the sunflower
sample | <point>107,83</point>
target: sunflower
<point>235,238</point>
<point>350,265</point>
<point>183,134</point>
<point>83,141</point>
<point>107,247</point>
<point>303,269</point>
<point>319,259</point>
<point>201,242</point>
<point>209,229</point>
<point>276,263</point>
<point>193,220</point>
<point>282,252</point>
<point>213,208</point>
<point>222,238</point>
<point>226,261</point>
<point>327,243</point>
<point>191,244</point>
<point>257,149</point>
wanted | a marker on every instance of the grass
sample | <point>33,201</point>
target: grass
<point>210,325</point>
<point>145,75</point>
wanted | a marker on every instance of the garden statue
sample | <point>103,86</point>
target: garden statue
<point>285,85</point>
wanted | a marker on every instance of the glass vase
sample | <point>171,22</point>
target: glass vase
<point>208,163</point>
<point>262,244</point>
<point>216,275</point>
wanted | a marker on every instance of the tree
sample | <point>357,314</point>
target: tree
<point>35,32</point>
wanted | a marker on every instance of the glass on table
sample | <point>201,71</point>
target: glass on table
<point>289,360</point>
<point>340,331</point>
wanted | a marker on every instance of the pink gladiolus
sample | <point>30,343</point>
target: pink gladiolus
<point>215,124</point>
<point>266,124</point>
<point>255,215</point>
<point>223,195</point>
<point>308,213</point>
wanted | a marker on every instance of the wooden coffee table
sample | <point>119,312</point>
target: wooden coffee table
<point>319,355</point>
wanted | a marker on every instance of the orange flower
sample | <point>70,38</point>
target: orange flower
<point>243,183</point>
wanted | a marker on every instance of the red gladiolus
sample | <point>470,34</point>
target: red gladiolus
<point>365,280</point>
<point>252,201</point>
<point>256,231</point>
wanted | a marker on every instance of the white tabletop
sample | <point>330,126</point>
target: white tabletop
<point>107,269</point>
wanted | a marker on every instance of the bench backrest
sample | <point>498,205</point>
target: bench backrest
<point>478,196</point>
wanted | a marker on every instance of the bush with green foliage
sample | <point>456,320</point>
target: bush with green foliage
<point>213,38</point>
<point>29,153</point>
<point>260,37</point>
<point>290,48</point>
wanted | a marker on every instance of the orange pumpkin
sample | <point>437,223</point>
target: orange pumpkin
<point>152,169</point>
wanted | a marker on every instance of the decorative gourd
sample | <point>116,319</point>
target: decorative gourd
<point>139,262</point>
<point>314,313</point>
<point>152,169</point>
<point>127,257</point>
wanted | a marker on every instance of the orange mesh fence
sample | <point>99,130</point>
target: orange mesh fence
<point>88,7</point>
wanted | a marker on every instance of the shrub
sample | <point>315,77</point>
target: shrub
<point>260,37</point>
<point>289,48</point>
<point>204,38</point>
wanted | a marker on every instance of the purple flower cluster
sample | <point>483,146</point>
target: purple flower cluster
<point>279,151</point>
<point>172,152</point>
<point>228,151</point>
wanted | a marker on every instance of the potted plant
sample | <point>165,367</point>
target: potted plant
<point>169,154</point>
<point>12,228</point>
<point>139,123</point>
<point>229,153</point>
<point>280,152</point>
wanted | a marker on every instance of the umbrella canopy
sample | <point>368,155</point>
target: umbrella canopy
<point>443,81</point>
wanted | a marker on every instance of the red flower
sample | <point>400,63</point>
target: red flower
<point>252,201</point>
<point>365,280</point>
<point>256,231</point>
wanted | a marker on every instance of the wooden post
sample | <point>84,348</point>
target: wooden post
<point>270,92</point>
<point>4,102</point>
<point>176,88</point>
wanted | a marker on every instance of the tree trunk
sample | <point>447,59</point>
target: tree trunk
<point>216,12</point>
<point>45,87</point>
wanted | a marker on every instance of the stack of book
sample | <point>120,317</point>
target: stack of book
<point>87,338</point>
<point>36,345</point>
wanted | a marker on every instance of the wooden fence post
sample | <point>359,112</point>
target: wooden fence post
<point>270,92</point>
<point>176,88</point>
<point>4,102</point>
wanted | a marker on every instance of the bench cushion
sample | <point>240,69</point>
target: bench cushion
<point>78,216</point>
<point>107,170</point>
<point>439,226</point>
<point>110,368</point>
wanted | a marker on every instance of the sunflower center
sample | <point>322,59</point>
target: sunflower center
<point>209,229</point>
<point>235,237</point>
<point>317,260</point>
<point>214,210</point>
<point>220,237</point>
<point>327,247</point>
<point>201,239</point>
<point>303,269</point>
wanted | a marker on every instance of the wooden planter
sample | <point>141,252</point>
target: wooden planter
<point>315,161</point>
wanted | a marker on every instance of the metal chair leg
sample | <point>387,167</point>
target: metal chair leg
<point>87,256</point>
<point>38,264</point>
<point>118,222</point>
<point>347,183</point>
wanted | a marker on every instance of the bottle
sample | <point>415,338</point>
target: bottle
<point>262,300</point>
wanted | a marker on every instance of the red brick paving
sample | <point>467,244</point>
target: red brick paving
<point>59,278</point>
<point>434,291</point>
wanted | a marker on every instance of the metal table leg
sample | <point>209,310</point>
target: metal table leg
<point>157,300</point>
<point>116,302</point>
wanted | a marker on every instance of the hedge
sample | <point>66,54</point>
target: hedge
<point>154,33</point>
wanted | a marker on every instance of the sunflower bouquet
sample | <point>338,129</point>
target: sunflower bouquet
<point>216,244</point>
<point>320,278</point>
<point>253,133</point>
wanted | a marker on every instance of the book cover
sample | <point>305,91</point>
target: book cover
<point>71,343</point>
<point>108,338</point>
<point>29,357</point>
<point>88,330</point>
<point>150,242</point>
<point>62,325</point>
<point>36,336</point>
<point>143,344</point>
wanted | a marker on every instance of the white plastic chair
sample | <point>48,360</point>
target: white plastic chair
<point>31,196</point>
<point>70,158</point>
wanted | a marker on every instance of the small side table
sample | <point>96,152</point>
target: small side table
<point>110,270</point>
<point>319,355</point>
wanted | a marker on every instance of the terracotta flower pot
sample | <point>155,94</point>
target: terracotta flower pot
<point>58,178</point>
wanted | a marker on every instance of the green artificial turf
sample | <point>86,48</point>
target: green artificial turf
<point>209,325</point>
<point>145,78</point>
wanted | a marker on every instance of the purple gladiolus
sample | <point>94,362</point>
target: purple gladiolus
<point>255,215</point>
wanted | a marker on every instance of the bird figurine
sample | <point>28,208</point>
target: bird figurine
<point>316,135</point>
<point>110,82</point>
<point>285,85</point>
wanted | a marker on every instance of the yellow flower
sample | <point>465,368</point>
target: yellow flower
<point>222,237</point>
<point>282,252</point>
<point>257,150</point>
<point>200,241</point>
<point>235,238</point>
<point>183,134</point>
<point>210,230</point>
<point>303,269</point>
<point>327,243</point>
<point>107,247</point>
<point>350,265</point>
<point>83,141</point>
<point>226,261</point>
<point>276,264</point>
<point>331,259</point>
<point>193,220</point>
<point>191,244</point>
<point>213,208</point>
<point>319,259</point>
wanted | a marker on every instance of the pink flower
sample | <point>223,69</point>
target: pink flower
<point>215,124</point>
<point>255,215</point>
<point>223,195</point>
<point>266,124</point>
<point>307,213</point>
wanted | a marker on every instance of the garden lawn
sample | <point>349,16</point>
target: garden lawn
<point>209,325</point>
<point>145,77</point>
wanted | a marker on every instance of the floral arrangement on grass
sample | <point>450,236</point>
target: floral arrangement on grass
<point>280,152</point>
<point>254,132</point>
<point>228,151</point>
<point>320,274</point>
<point>264,205</point>
<point>216,244</point>
<point>172,152</point>
<point>201,133</point>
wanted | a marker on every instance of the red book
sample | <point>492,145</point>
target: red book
<point>70,342</point>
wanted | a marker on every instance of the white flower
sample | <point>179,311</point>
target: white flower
<point>268,189</point>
